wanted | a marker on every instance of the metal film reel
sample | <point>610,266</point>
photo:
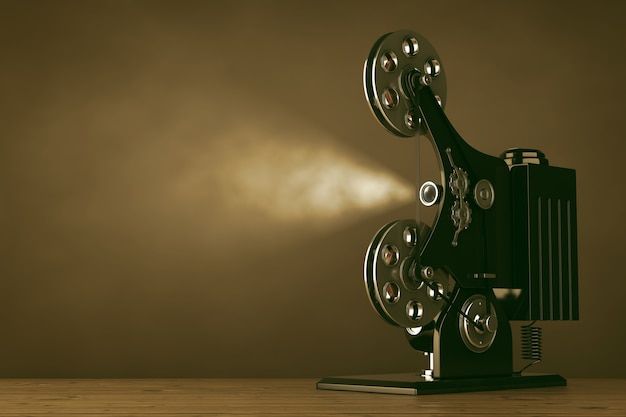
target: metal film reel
<point>391,59</point>
<point>394,294</point>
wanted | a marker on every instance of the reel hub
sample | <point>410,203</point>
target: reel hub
<point>479,310</point>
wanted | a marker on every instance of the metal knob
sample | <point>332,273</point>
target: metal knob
<point>429,193</point>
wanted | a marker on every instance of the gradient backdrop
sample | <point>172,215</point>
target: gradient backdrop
<point>188,188</point>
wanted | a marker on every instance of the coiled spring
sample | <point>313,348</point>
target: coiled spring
<point>531,344</point>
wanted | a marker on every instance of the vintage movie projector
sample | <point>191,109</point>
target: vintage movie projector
<point>502,246</point>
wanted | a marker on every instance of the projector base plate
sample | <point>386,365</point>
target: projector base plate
<point>413,384</point>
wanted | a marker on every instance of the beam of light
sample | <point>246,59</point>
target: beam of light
<point>309,179</point>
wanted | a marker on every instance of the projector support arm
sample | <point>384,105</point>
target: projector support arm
<point>464,235</point>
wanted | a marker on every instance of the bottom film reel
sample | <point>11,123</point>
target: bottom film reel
<point>395,293</point>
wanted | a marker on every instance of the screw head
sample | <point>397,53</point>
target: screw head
<point>410,236</point>
<point>428,272</point>
<point>389,61</point>
<point>432,67</point>
<point>414,310</point>
<point>390,255</point>
<point>411,121</point>
<point>391,292</point>
<point>390,98</point>
<point>410,46</point>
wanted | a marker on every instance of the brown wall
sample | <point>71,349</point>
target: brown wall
<point>127,248</point>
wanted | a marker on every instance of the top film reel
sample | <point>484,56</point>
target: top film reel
<point>392,58</point>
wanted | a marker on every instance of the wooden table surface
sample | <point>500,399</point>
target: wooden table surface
<point>289,397</point>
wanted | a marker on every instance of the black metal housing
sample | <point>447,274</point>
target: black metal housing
<point>545,248</point>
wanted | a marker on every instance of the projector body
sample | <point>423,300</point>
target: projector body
<point>502,247</point>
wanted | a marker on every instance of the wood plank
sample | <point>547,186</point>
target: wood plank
<point>262,397</point>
